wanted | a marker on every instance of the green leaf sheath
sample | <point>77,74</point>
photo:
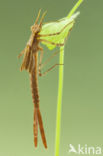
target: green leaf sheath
<point>55,27</point>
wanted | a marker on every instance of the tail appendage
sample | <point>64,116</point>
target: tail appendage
<point>38,120</point>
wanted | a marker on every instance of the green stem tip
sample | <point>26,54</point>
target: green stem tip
<point>74,8</point>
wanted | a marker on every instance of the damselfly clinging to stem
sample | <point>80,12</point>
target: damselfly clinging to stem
<point>30,63</point>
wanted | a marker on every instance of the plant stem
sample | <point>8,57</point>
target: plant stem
<point>59,105</point>
<point>60,89</point>
<point>74,8</point>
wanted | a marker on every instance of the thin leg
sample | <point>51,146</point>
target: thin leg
<point>53,34</point>
<point>40,62</point>
<point>53,43</point>
<point>22,52</point>
<point>51,57</point>
<point>43,74</point>
<point>41,55</point>
<point>41,66</point>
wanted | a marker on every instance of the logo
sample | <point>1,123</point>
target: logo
<point>80,150</point>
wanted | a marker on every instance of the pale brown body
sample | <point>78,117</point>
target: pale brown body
<point>30,63</point>
<point>35,96</point>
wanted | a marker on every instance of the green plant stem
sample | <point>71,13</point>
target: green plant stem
<point>59,105</point>
<point>74,8</point>
<point>60,89</point>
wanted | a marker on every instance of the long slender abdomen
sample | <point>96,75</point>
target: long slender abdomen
<point>34,89</point>
<point>35,98</point>
<point>37,114</point>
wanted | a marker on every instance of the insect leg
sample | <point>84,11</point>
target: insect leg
<point>22,52</point>
<point>57,33</point>
<point>53,43</point>
<point>52,56</point>
<point>42,65</point>
<point>43,74</point>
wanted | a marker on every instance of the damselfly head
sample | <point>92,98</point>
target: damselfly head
<point>35,28</point>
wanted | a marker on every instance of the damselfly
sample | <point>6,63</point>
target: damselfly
<point>30,63</point>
